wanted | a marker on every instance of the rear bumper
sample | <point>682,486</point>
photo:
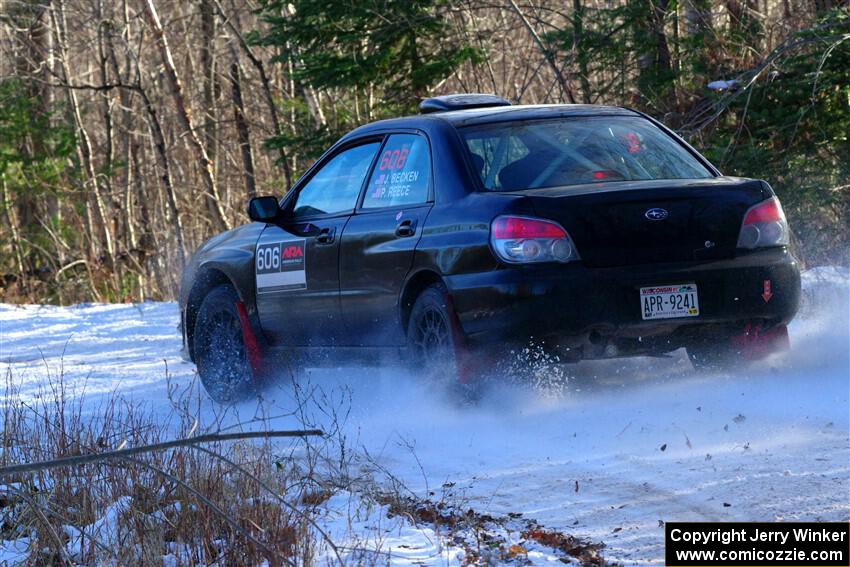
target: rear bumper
<point>573,301</point>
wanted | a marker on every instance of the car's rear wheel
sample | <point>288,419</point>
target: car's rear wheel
<point>220,352</point>
<point>431,338</point>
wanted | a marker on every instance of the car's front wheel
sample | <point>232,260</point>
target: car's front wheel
<point>220,352</point>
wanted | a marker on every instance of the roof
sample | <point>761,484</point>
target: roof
<point>473,116</point>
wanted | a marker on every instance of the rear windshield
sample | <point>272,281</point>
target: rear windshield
<point>576,151</point>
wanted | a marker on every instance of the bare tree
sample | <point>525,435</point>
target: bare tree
<point>184,114</point>
<point>242,128</point>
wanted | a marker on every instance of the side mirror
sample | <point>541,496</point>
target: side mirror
<point>263,209</point>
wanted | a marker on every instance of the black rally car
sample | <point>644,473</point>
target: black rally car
<point>592,230</point>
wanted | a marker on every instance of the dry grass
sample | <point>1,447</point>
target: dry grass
<point>226,504</point>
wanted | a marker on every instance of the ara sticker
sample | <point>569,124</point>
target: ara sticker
<point>281,266</point>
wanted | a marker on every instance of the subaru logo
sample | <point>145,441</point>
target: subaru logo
<point>656,214</point>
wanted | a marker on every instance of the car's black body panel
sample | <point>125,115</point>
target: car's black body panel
<point>609,228</point>
<point>373,267</point>
<point>227,257</point>
<point>359,287</point>
<point>574,300</point>
<point>312,315</point>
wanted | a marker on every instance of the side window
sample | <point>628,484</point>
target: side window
<point>336,186</point>
<point>402,175</point>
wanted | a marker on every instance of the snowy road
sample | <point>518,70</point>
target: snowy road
<point>627,445</point>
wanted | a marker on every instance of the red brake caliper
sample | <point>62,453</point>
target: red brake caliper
<point>252,345</point>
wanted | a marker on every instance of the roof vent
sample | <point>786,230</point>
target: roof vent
<point>460,102</point>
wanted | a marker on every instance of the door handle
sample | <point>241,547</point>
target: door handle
<point>406,228</point>
<point>326,236</point>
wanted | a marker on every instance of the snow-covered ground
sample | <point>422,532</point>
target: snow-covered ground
<point>625,446</point>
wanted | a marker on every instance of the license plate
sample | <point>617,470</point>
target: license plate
<point>669,301</point>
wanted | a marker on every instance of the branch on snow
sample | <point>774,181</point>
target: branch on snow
<point>123,453</point>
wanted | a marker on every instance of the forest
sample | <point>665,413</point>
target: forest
<point>133,130</point>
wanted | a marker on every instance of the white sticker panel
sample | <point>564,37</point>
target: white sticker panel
<point>281,265</point>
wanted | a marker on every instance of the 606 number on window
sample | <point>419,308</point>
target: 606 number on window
<point>394,159</point>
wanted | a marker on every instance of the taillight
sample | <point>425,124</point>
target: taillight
<point>764,225</point>
<point>521,240</point>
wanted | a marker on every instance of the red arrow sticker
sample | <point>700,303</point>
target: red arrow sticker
<point>766,294</point>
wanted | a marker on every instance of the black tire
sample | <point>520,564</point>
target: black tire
<point>220,353</point>
<point>431,336</point>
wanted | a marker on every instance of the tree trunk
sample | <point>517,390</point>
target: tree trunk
<point>580,53</point>
<point>208,68</point>
<point>242,129</point>
<point>158,139</point>
<point>265,84</point>
<point>184,115</point>
<point>746,29</point>
<point>84,145</point>
<point>566,89</point>
<point>655,79</point>
<point>33,39</point>
<point>16,237</point>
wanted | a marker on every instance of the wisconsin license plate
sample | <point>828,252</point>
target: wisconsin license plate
<point>669,301</point>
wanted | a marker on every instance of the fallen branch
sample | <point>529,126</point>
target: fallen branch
<point>123,453</point>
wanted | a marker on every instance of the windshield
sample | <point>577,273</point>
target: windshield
<point>576,151</point>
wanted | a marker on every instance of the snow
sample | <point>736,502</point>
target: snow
<point>105,530</point>
<point>723,85</point>
<point>625,446</point>
<point>13,552</point>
